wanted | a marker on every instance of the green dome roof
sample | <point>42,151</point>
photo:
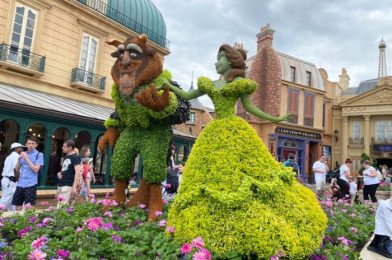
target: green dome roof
<point>140,16</point>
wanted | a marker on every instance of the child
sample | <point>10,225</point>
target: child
<point>353,189</point>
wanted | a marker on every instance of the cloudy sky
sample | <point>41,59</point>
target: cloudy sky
<point>330,33</point>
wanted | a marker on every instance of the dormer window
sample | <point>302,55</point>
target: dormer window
<point>292,74</point>
<point>308,78</point>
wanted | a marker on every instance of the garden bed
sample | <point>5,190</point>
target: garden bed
<point>86,232</point>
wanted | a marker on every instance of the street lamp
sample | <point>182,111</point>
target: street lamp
<point>336,134</point>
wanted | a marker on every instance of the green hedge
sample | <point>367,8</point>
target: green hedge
<point>238,198</point>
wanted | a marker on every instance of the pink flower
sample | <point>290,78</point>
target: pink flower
<point>345,241</point>
<point>344,210</point>
<point>186,248</point>
<point>280,254</point>
<point>201,255</point>
<point>168,186</point>
<point>79,229</point>
<point>39,242</point>
<point>353,215</point>
<point>44,203</point>
<point>274,258</point>
<point>142,206</point>
<point>198,242</point>
<point>37,255</point>
<point>46,221</point>
<point>322,202</point>
<point>108,214</point>
<point>28,206</point>
<point>91,196</point>
<point>170,229</point>
<point>207,254</point>
<point>162,223</point>
<point>328,204</point>
<point>63,253</point>
<point>60,197</point>
<point>340,201</point>
<point>347,196</point>
<point>114,203</point>
<point>165,202</point>
<point>354,229</point>
<point>92,201</point>
<point>3,208</point>
<point>24,231</point>
<point>158,213</point>
<point>94,224</point>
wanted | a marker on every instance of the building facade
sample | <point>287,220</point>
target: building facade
<point>288,85</point>
<point>362,121</point>
<point>55,72</point>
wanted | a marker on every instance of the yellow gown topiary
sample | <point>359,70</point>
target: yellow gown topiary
<point>235,195</point>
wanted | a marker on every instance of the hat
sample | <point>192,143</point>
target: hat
<point>16,145</point>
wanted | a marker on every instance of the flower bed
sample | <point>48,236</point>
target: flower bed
<point>86,232</point>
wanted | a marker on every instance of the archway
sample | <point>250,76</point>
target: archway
<point>39,131</point>
<point>82,138</point>
<point>58,137</point>
<point>9,133</point>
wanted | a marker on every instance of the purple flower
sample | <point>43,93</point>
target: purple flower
<point>24,231</point>
<point>345,241</point>
<point>107,226</point>
<point>170,229</point>
<point>70,210</point>
<point>142,206</point>
<point>158,213</point>
<point>63,253</point>
<point>116,239</point>
<point>354,229</point>
<point>32,219</point>
<point>108,214</point>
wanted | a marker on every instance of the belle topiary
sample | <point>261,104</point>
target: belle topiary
<point>233,192</point>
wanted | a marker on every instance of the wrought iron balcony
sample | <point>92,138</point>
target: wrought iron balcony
<point>293,119</point>
<point>22,60</point>
<point>125,20</point>
<point>87,80</point>
<point>308,121</point>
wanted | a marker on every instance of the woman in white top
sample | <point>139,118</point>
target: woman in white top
<point>344,178</point>
<point>371,182</point>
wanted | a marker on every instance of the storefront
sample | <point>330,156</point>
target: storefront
<point>306,147</point>
<point>52,120</point>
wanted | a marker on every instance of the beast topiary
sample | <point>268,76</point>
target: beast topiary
<point>233,192</point>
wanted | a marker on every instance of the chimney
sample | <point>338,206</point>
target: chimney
<point>265,37</point>
<point>344,79</point>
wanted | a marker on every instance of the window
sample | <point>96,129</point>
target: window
<point>88,57</point>
<point>357,132</point>
<point>309,109</point>
<point>383,131</point>
<point>292,74</point>
<point>292,105</point>
<point>192,118</point>
<point>309,78</point>
<point>22,33</point>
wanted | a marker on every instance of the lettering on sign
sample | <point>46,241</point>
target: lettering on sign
<point>287,131</point>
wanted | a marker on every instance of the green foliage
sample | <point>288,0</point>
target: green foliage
<point>224,99</point>
<point>139,239</point>
<point>239,199</point>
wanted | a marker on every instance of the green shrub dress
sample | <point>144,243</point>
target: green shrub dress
<point>235,195</point>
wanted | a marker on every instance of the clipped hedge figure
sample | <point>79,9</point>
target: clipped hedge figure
<point>233,192</point>
<point>142,121</point>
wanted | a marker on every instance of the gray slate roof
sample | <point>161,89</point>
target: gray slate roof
<point>363,87</point>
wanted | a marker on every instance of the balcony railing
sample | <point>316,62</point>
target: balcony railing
<point>358,140</point>
<point>22,58</point>
<point>384,140</point>
<point>88,80</point>
<point>125,20</point>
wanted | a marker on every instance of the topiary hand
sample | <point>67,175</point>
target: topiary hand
<point>109,137</point>
<point>150,98</point>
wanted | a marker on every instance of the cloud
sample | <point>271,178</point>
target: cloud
<point>332,34</point>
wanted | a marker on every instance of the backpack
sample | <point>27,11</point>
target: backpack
<point>85,171</point>
<point>172,179</point>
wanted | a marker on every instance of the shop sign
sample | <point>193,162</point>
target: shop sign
<point>286,131</point>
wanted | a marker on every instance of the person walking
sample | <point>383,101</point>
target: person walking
<point>344,178</point>
<point>290,162</point>
<point>29,165</point>
<point>69,177</point>
<point>320,169</point>
<point>371,183</point>
<point>8,182</point>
